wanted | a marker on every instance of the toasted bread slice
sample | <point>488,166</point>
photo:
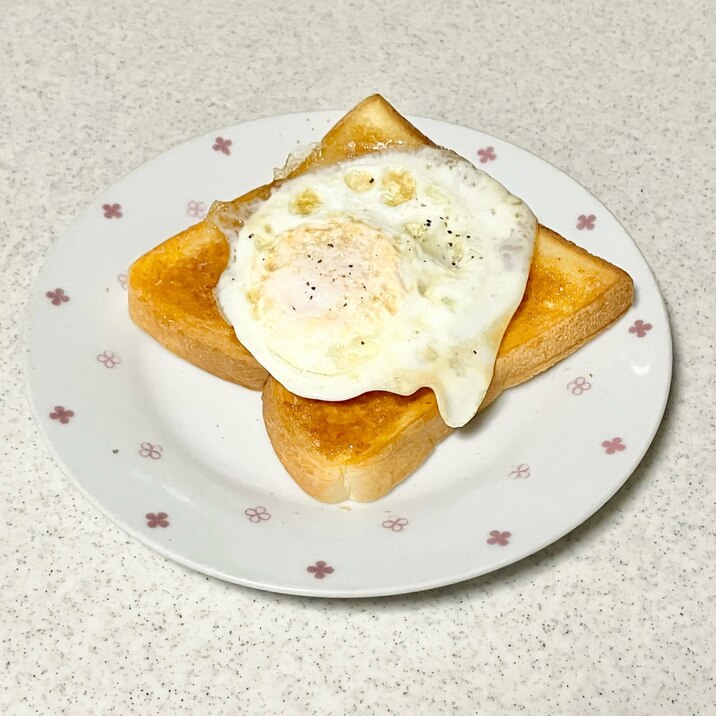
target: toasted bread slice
<point>361,448</point>
<point>374,125</point>
<point>171,287</point>
<point>171,296</point>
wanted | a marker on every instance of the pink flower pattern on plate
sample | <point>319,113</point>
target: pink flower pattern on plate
<point>61,414</point>
<point>122,278</point>
<point>320,569</point>
<point>157,519</point>
<point>579,385</point>
<point>497,537</point>
<point>487,155</point>
<point>195,208</point>
<point>639,329</point>
<point>57,297</point>
<point>613,445</point>
<point>109,359</point>
<point>521,472</point>
<point>151,450</point>
<point>222,145</point>
<point>586,222</point>
<point>396,524</point>
<point>112,211</point>
<point>257,514</point>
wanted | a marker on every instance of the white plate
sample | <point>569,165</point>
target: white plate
<point>180,459</point>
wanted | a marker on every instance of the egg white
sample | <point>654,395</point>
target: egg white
<point>390,272</point>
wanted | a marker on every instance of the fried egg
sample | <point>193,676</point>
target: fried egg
<point>391,272</point>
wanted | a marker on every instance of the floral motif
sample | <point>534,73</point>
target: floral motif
<point>497,537</point>
<point>613,445</point>
<point>586,222</point>
<point>396,524</point>
<point>122,278</point>
<point>257,514</point>
<point>320,569</point>
<point>109,359</point>
<point>112,211</point>
<point>62,414</point>
<point>487,155</point>
<point>151,450</point>
<point>57,297</point>
<point>196,208</point>
<point>222,145</point>
<point>639,329</point>
<point>157,519</point>
<point>522,471</point>
<point>579,385</point>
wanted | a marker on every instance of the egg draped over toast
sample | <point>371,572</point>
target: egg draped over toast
<point>392,271</point>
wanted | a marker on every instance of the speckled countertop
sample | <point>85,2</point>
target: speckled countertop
<point>617,617</point>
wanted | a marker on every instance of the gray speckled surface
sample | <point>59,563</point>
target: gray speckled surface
<point>619,616</point>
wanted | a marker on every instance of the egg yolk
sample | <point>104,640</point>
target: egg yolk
<point>339,281</point>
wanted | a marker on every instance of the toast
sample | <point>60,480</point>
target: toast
<point>360,448</point>
<point>171,296</point>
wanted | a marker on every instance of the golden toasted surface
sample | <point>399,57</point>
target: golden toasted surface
<point>361,448</point>
<point>563,279</point>
<point>347,430</point>
<point>371,126</point>
<point>171,296</point>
